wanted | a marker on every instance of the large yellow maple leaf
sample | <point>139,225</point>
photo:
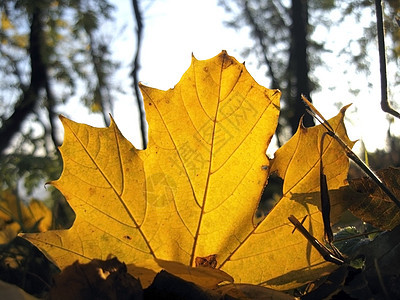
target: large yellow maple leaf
<point>193,192</point>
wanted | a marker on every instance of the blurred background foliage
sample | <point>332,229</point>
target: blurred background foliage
<point>49,50</point>
<point>286,43</point>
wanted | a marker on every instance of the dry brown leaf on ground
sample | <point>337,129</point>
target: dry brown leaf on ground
<point>373,205</point>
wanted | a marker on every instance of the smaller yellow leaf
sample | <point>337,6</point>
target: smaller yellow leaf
<point>273,255</point>
<point>37,214</point>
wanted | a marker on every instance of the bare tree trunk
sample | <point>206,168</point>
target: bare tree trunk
<point>298,65</point>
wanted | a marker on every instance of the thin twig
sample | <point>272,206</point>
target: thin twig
<point>50,105</point>
<point>366,234</point>
<point>324,251</point>
<point>385,105</point>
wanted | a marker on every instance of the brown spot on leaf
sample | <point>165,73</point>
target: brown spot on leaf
<point>208,261</point>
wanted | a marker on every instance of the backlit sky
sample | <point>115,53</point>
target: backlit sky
<point>174,29</point>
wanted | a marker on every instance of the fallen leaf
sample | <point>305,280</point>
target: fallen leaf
<point>205,277</point>
<point>194,191</point>
<point>375,207</point>
<point>168,286</point>
<point>380,273</point>
<point>99,279</point>
<point>327,287</point>
<point>10,291</point>
<point>247,291</point>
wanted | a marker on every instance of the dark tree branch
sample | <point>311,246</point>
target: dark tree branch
<point>298,64</point>
<point>50,105</point>
<point>135,70</point>
<point>385,105</point>
<point>29,98</point>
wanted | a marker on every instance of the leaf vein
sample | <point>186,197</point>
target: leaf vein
<point>113,188</point>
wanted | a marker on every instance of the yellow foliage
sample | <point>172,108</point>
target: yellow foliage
<point>61,23</point>
<point>15,215</point>
<point>54,4</point>
<point>39,214</point>
<point>193,192</point>
<point>96,107</point>
<point>20,40</point>
<point>8,231</point>
<point>9,207</point>
<point>5,22</point>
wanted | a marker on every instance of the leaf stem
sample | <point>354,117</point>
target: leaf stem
<point>366,234</point>
<point>325,200</point>
<point>324,251</point>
